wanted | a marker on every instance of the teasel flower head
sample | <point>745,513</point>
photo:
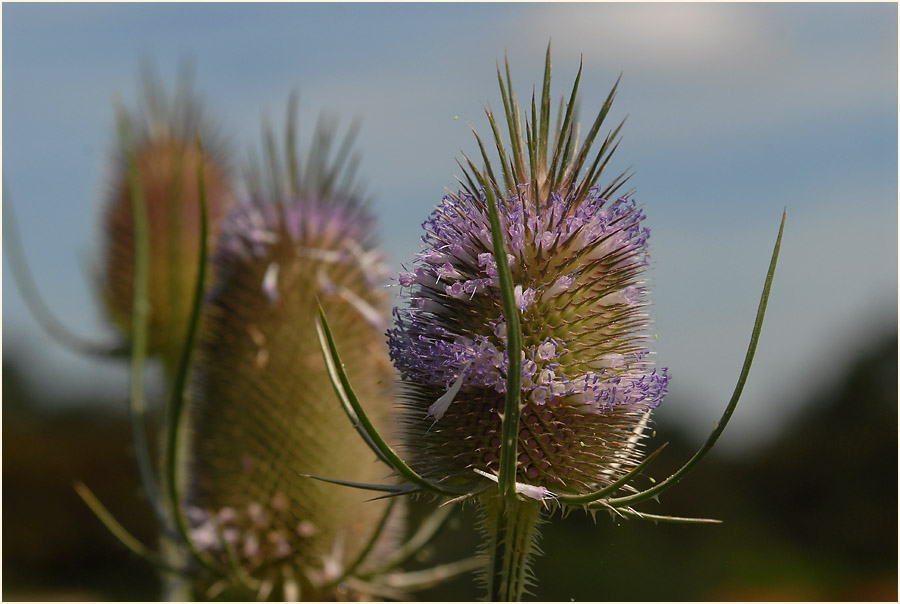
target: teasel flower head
<point>156,165</point>
<point>261,409</point>
<point>525,371</point>
<point>577,253</point>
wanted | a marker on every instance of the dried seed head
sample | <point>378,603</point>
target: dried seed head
<point>166,161</point>
<point>577,261</point>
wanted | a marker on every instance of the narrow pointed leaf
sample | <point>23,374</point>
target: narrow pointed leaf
<point>470,186</point>
<point>612,488</point>
<point>386,488</point>
<point>345,401</point>
<point>509,181</point>
<point>422,579</point>
<point>487,161</point>
<point>557,129</point>
<point>428,530</point>
<point>344,390</point>
<point>35,303</point>
<point>140,321</point>
<point>617,183</point>
<point>176,406</point>
<point>596,169</point>
<point>118,531</point>
<point>513,120</point>
<point>531,132</point>
<point>735,397</point>
<point>543,126</point>
<point>512,410</point>
<point>575,166</point>
<point>270,158</point>
<point>566,132</point>
<point>668,519</point>
<point>290,144</point>
<point>341,159</point>
<point>367,548</point>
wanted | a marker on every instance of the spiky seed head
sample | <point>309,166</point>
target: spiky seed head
<point>161,142</point>
<point>577,256</point>
<point>262,408</point>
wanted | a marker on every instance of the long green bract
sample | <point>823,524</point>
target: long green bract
<point>612,488</point>
<point>34,302</point>
<point>735,397</point>
<point>428,530</point>
<point>119,532</point>
<point>399,489</point>
<point>344,399</point>
<point>176,408</point>
<point>366,550</point>
<point>510,430</point>
<point>341,384</point>
<point>667,519</point>
<point>140,318</point>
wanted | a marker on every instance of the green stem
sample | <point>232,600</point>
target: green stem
<point>140,326</point>
<point>176,420</point>
<point>14,253</point>
<point>512,531</point>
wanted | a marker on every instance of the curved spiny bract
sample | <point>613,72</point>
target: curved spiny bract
<point>161,141</point>
<point>262,410</point>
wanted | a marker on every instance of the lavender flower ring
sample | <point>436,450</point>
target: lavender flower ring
<point>587,380</point>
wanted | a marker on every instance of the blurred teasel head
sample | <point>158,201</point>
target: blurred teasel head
<point>262,410</point>
<point>156,164</point>
<point>577,252</point>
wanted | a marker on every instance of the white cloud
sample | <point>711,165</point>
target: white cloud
<point>721,70</point>
<point>662,39</point>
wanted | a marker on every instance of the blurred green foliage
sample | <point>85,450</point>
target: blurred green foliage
<point>812,516</point>
<point>53,545</point>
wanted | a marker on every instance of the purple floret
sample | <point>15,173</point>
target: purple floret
<point>453,324</point>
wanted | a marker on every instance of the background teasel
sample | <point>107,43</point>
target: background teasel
<point>160,140</point>
<point>260,408</point>
<point>532,373</point>
<point>237,519</point>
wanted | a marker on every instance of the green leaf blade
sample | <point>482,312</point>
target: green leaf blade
<point>344,390</point>
<point>512,409</point>
<point>735,397</point>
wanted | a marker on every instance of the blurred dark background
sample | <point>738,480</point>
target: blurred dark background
<point>812,515</point>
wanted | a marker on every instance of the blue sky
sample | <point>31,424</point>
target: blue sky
<point>735,111</point>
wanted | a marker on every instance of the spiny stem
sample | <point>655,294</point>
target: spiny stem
<point>512,531</point>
